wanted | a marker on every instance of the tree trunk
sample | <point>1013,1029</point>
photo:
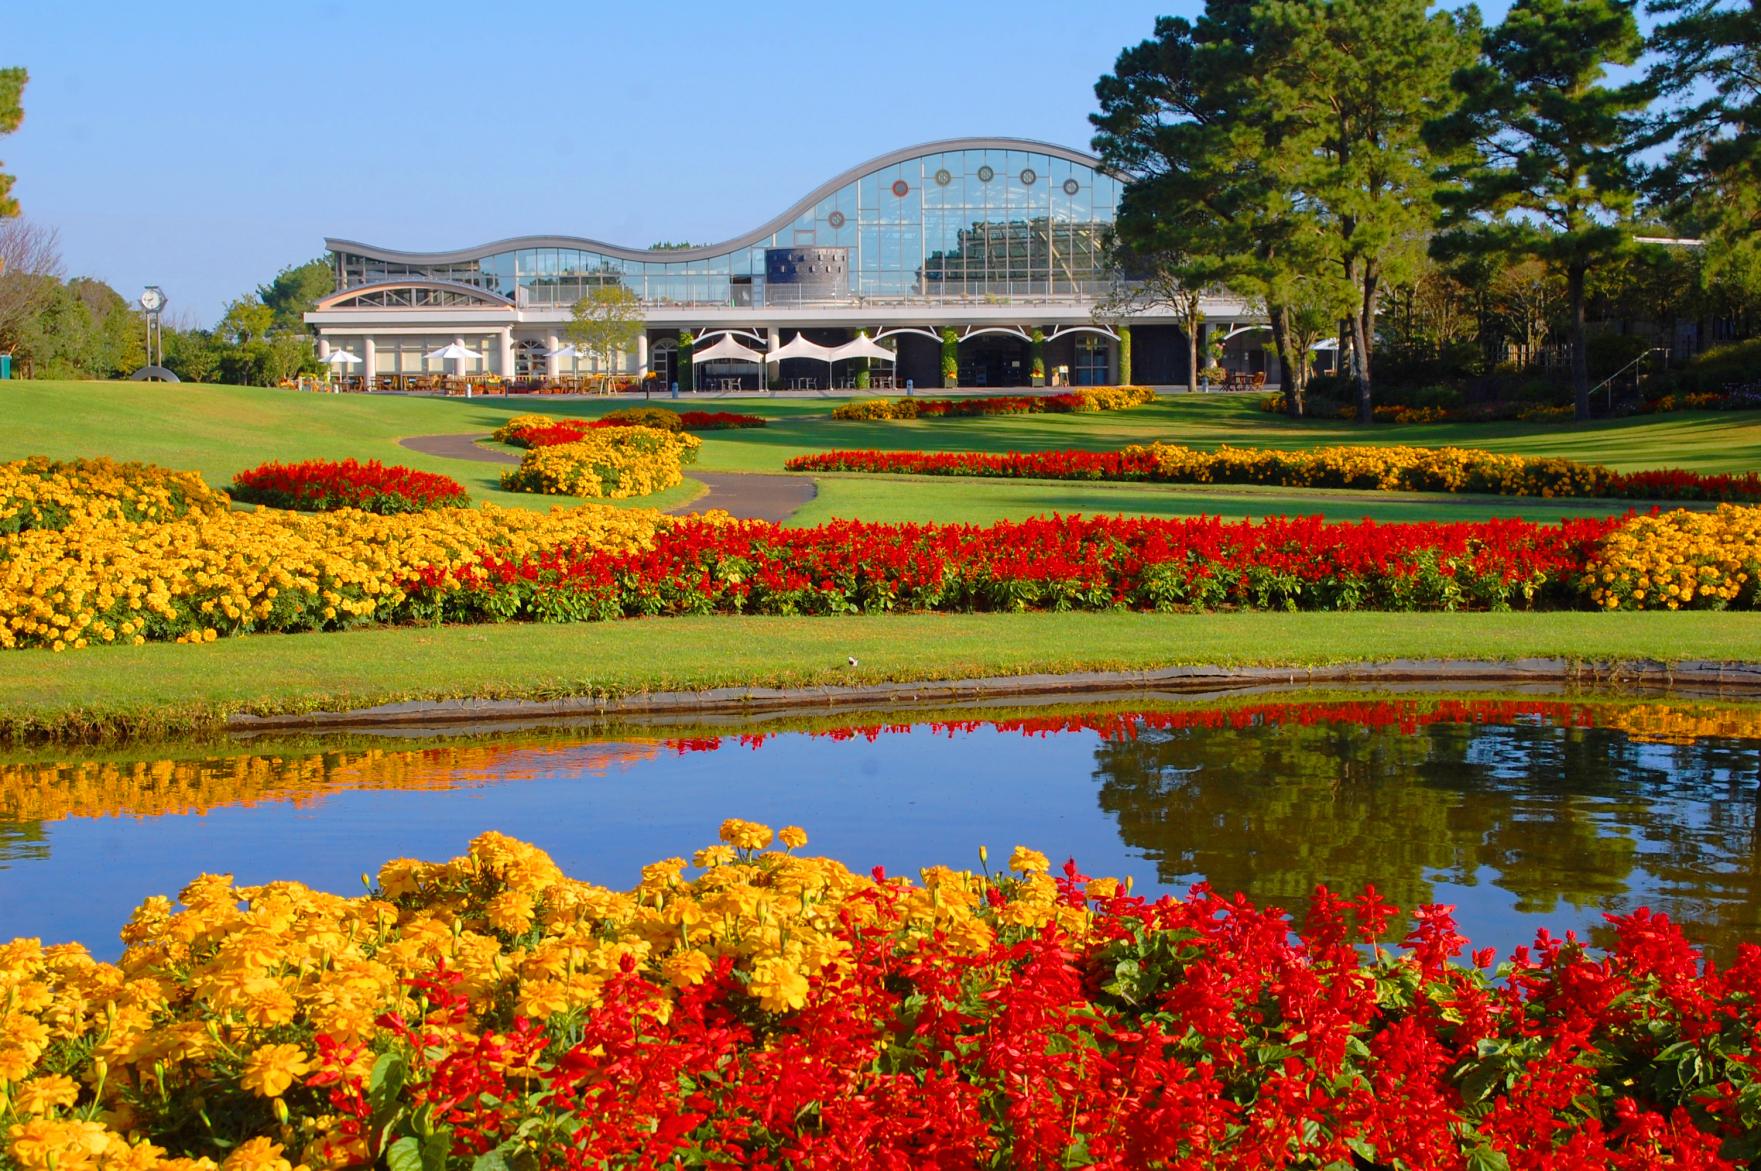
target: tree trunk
<point>1289,363</point>
<point>1363,328</point>
<point>1580,362</point>
<point>1191,351</point>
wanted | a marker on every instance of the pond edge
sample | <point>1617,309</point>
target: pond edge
<point>1738,677</point>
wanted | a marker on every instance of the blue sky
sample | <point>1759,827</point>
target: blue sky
<point>203,146</point>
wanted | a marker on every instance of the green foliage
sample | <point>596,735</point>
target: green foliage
<point>1036,341</point>
<point>1549,167</point>
<point>82,329</point>
<point>1721,366</point>
<point>950,358</point>
<point>295,291</point>
<point>687,369</point>
<point>607,320</point>
<point>247,320</point>
<point>12,82</point>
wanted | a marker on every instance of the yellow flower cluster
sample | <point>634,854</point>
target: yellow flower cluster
<point>613,462</point>
<point>217,1001</point>
<point>39,493</point>
<point>506,432</point>
<point>1679,560</point>
<point>1410,469</point>
<point>213,573</point>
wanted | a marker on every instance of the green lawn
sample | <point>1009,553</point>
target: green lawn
<point>170,688</point>
<point>221,430</point>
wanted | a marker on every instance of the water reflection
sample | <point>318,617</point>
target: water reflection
<point>1524,812</point>
<point>1559,817</point>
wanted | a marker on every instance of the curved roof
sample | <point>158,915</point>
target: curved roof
<point>746,240</point>
<point>481,295</point>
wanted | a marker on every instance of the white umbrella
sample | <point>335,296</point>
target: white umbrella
<point>454,351</point>
<point>863,347</point>
<point>799,347</point>
<point>1331,343</point>
<point>563,351</point>
<point>726,350</point>
<point>342,358</point>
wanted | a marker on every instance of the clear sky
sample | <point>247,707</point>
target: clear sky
<point>202,146</point>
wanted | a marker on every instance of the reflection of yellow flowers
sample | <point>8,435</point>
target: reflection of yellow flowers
<point>273,1068</point>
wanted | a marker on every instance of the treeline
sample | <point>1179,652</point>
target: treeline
<point>82,328</point>
<point>1446,199</point>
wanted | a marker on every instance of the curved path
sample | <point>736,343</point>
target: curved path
<point>744,495</point>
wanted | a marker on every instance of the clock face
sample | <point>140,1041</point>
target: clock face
<point>152,299</point>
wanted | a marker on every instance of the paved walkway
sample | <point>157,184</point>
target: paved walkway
<point>744,495</point>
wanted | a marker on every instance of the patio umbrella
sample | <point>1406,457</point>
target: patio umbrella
<point>567,350</point>
<point>342,358</point>
<point>454,351</point>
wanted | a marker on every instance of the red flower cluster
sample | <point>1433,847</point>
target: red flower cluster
<point>1007,404</point>
<point>719,420</point>
<point>1141,464</point>
<point>1048,563</point>
<point>574,430</point>
<point>321,485</point>
<point>1191,1035</point>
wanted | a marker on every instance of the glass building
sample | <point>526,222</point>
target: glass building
<point>994,238</point>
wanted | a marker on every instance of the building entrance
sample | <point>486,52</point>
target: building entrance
<point>994,359</point>
<point>529,361</point>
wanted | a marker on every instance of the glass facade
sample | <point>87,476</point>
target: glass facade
<point>949,225</point>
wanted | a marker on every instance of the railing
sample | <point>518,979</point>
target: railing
<point>1608,383</point>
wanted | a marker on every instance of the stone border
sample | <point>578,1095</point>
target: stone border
<point>1706,676</point>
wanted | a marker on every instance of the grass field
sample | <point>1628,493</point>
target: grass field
<point>221,430</point>
<point>166,688</point>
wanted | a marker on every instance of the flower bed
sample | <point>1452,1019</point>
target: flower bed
<point>614,462</point>
<point>1388,469</point>
<point>1088,398</point>
<point>543,431</point>
<point>1057,563</point>
<point>208,574</point>
<point>321,485</point>
<point>781,1010</point>
<point>41,493</point>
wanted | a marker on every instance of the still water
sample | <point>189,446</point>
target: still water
<point>1524,813</point>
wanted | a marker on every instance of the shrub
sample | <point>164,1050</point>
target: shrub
<point>320,485</point>
<point>614,462</point>
<point>1735,363</point>
<point>877,408</point>
<point>41,493</point>
<point>507,432</point>
<point>659,418</point>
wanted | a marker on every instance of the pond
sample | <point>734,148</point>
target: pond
<point>1523,812</point>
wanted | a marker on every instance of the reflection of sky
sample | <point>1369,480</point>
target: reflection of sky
<point>903,801</point>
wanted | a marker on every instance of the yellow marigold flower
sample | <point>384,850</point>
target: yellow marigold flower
<point>511,912</point>
<point>43,1094</point>
<point>1028,861</point>
<point>663,873</point>
<point>778,984</point>
<point>745,835</point>
<point>259,1154</point>
<point>792,836</point>
<point>686,968</point>
<point>712,856</point>
<point>1103,888</point>
<point>271,1070</point>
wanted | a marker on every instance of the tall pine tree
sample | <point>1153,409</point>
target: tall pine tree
<point>1552,173</point>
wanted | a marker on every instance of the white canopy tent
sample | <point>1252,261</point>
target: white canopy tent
<point>799,347</point>
<point>726,350</point>
<point>863,347</point>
